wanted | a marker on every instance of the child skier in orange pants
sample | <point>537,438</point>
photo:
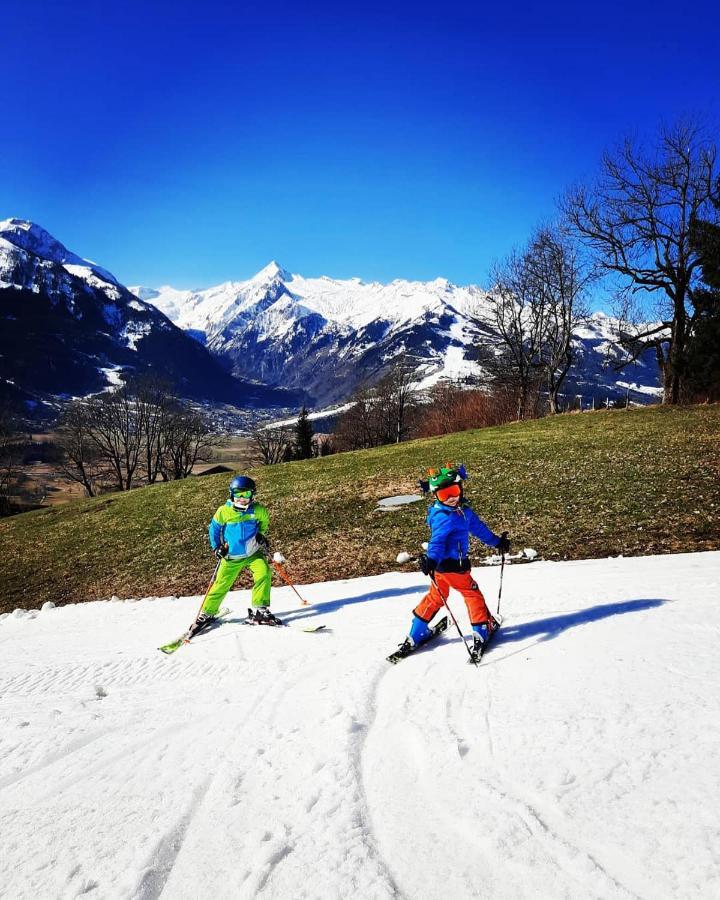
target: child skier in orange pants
<point>451,522</point>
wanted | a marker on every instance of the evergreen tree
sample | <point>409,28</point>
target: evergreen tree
<point>703,353</point>
<point>304,443</point>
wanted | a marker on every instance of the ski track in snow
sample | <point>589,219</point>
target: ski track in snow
<point>275,764</point>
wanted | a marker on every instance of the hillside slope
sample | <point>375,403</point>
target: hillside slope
<point>589,485</point>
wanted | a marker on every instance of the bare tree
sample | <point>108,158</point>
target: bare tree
<point>325,445</point>
<point>80,459</point>
<point>188,440</point>
<point>519,317</point>
<point>155,404</point>
<point>396,393</point>
<point>116,430</point>
<point>560,279</point>
<point>271,443</point>
<point>141,428</point>
<point>452,406</point>
<point>13,444</point>
<point>357,428</point>
<point>637,220</point>
<point>380,414</point>
<point>440,410</point>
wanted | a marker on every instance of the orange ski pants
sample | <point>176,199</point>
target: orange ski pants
<point>464,583</point>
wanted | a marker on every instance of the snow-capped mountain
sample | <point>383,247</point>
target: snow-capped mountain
<point>41,249</point>
<point>328,336</point>
<point>70,328</point>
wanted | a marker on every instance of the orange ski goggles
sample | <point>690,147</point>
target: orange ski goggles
<point>443,494</point>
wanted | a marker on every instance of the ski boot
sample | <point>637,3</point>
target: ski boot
<point>202,622</point>
<point>418,634</point>
<point>262,616</point>
<point>482,635</point>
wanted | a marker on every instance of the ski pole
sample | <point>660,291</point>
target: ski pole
<point>286,578</point>
<point>502,569</point>
<point>462,636</point>
<point>209,588</point>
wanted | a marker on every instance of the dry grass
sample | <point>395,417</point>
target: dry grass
<point>591,485</point>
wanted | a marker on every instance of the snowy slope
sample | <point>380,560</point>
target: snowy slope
<point>328,336</point>
<point>24,235</point>
<point>580,760</point>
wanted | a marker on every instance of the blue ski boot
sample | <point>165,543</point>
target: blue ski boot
<point>419,632</point>
<point>482,633</point>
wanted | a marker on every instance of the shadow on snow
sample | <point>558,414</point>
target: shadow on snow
<point>543,629</point>
<point>549,628</point>
<point>316,609</point>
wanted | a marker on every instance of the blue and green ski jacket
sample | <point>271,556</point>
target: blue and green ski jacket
<point>238,529</point>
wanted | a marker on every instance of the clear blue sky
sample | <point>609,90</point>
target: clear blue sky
<point>191,143</point>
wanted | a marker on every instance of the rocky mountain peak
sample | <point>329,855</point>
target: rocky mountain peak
<point>33,238</point>
<point>273,271</point>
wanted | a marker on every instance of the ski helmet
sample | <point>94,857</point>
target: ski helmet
<point>445,482</point>
<point>242,491</point>
<point>445,476</point>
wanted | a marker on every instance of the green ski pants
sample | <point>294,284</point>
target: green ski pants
<point>225,579</point>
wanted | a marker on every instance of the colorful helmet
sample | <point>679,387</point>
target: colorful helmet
<point>241,487</point>
<point>444,477</point>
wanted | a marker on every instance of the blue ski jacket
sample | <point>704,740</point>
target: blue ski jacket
<point>450,531</point>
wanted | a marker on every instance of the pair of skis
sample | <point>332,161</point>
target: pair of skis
<point>188,635</point>
<point>406,650</point>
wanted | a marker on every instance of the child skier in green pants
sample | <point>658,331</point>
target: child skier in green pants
<point>238,536</point>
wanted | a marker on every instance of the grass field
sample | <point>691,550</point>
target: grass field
<point>43,484</point>
<point>574,486</point>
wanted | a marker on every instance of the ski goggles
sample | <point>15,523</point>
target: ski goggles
<point>446,493</point>
<point>247,495</point>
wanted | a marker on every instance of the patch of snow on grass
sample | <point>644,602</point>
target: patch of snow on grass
<point>399,500</point>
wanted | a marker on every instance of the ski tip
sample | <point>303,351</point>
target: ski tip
<point>171,648</point>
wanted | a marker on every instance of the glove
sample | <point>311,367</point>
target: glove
<point>503,545</point>
<point>427,565</point>
<point>262,540</point>
<point>221,551</point>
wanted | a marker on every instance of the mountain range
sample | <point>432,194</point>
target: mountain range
<point>69,328</point>
<point>327,336</point>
